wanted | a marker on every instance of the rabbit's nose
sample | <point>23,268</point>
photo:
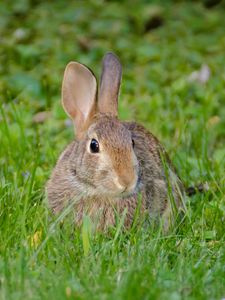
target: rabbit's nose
<point>125,183</point>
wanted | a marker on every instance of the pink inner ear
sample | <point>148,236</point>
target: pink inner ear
<point>73,114</point>
<point>79,94</point>
<point>70,111</point>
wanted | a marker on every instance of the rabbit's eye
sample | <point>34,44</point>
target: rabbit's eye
<point>133,143</point>
<point>94,146</point>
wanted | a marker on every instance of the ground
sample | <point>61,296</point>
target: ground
<point>160,44</point>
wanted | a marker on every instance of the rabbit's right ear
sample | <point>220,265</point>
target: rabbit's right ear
<point>79,91</point>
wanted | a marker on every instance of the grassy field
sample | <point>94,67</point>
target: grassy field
<point>160,44</point>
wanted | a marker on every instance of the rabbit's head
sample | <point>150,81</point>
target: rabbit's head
<point>103,162</point>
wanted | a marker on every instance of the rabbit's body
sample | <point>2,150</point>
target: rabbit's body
<point>66,184</point>
<point>79,179</point>
<point>111,161</point>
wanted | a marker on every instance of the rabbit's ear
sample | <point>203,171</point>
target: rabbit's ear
<point>110,84</point>
<point>79,90</point>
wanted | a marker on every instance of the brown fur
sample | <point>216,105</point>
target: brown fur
<point>102,208</point>
<point>105,184</point>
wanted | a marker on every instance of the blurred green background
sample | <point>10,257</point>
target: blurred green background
<point>173,60</point>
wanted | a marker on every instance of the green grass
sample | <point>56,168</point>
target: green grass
<point>41,258</point>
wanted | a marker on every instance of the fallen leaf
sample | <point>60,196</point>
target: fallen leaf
<point>35,239</point>
<point>68,291</point>
<point>213,121</point>
<point>202,75</point>
<point>41,116</point>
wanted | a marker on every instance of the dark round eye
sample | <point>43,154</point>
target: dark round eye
<point>94,146</point>
<point>133,143</point>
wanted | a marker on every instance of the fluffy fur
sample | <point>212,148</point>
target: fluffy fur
<point>131,160</point>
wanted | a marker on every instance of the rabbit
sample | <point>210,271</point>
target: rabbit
<point>110,162</point>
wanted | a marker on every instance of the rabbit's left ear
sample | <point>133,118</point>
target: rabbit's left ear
<point>110,84</point>
<point>79,91</point>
